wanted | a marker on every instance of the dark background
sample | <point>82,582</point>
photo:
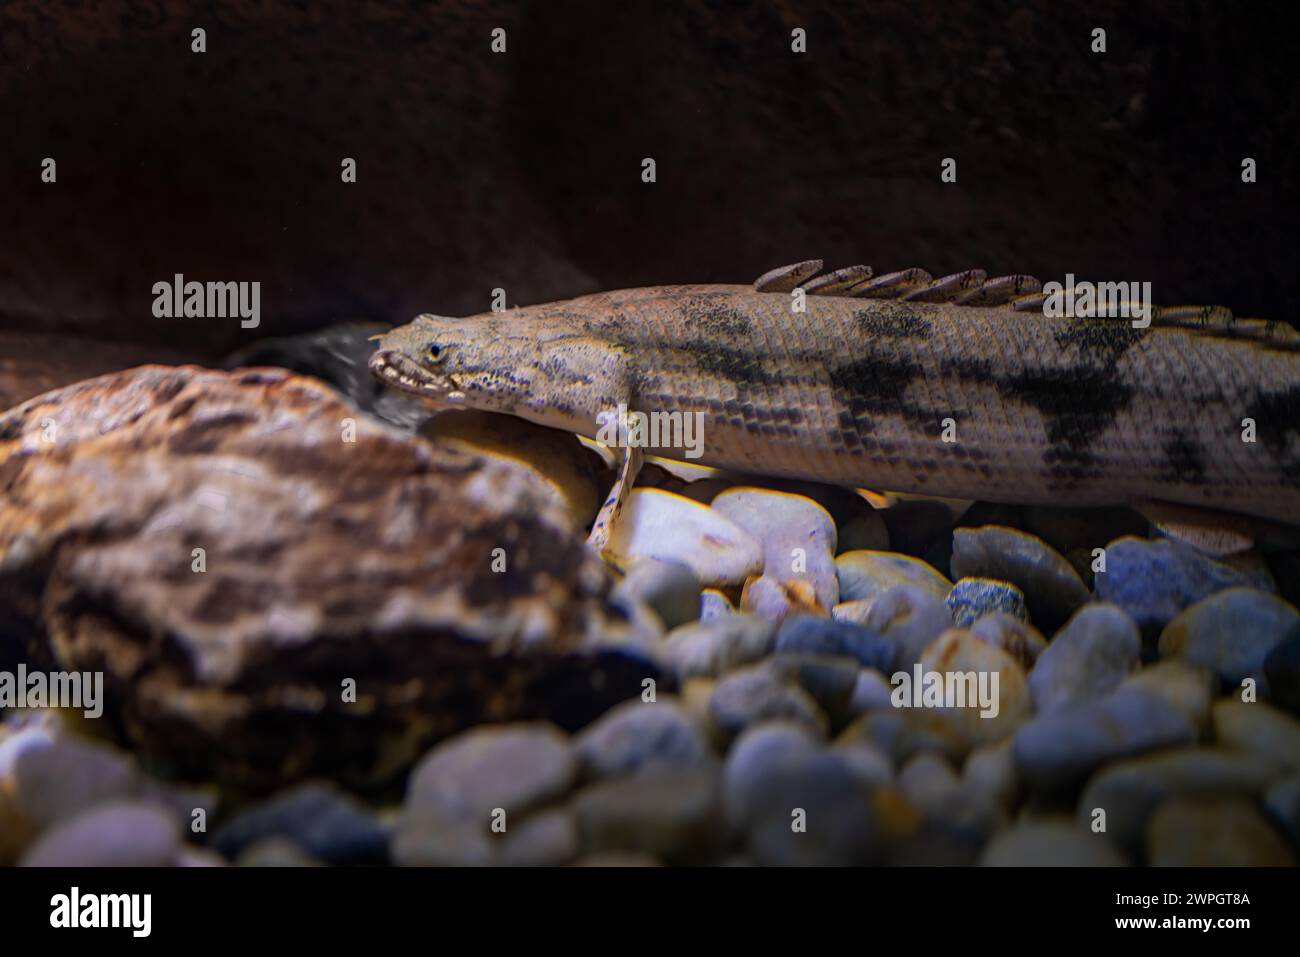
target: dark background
<point>522,170</point>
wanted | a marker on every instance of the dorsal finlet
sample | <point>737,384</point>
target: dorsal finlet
<point>1019,292</point>
<point>786,278</point>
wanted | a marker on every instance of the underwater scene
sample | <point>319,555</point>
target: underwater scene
<point>660,434</point>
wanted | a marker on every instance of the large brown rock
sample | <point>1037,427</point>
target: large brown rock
<point>325,560</point>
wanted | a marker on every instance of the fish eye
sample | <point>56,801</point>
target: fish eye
<point>435,351</point>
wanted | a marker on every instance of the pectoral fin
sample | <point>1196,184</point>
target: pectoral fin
<point>630,465</point>
<point>1216,533</point>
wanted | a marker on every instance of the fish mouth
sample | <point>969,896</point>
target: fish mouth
<point>395,369</point>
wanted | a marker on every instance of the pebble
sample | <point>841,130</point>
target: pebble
<point>694,695</point>
<point>853,611</point>
<point>776,601</point>
<point>830,679</point>
<point>865,574</point>
<point>645,632</point>
<point>866,764</point>
<point>191,856</point>
<point>1282,671</point>
<point>839,502</point>
<point>1050,843</point>
<point>61,779</point>
<point>116,834</point>
<point>871,692</point>
<point>957,820</point>
<point>1053,589</point>
<point>617,859</point>
<point>438,837</point>
<point>672,590</point>
<point>916,524</point>
<point>276,852</point>
<point>636,737</point>
<point>516,767</point>
<point>756,755</point>
<point>714,604</point>
<point>562,469</point>
<point>1087,659</point>
<point>673,528</point>
<point>745,697</point>
<point>863,530</point>
<point>1189,688</point>
<point>328,824</point>
<point>18,740</point>
<point>958,651</point>
<point>674,816</point>
<point>708,648</point>
<point>910,617</point>
<point>1153,580</point>
<point>825,636</point>
<point>1282,802</point>
<point>1128,791</point>
<point>1232,632</point>
<point>991,774</point>
<point>929,782</point>
<point>1214,834</point>
<point>1019,639</point>
<point>433,836</point>
<point>1055,751</point>
<point>973,598</point>
<point>797,535</point>
<point>546,839</point>
<point>899,734</point>
<point>1258,728</point>
<point>808,808</point>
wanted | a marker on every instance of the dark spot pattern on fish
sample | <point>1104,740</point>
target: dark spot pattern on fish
<point>1277,425</point>
<point>1101,340</point>
<point>709,318</point>
<point>893,320</point>
<point>1078,404</point>
<point>876,385</point>
<point>742,367</point>
<point>1184,459</point>
<point>969,370</point>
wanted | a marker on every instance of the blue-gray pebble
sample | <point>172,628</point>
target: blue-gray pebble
<point>826,636</point>
<point>1098,647</point>
<point>672,590</point>
<point>973,598</point>
<point>1059,749</point>
<point>329,824</point>
<point>1153,580</point>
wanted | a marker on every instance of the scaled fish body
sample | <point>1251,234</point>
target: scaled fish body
<point>996,402</point>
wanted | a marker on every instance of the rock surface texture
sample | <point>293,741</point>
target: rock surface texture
<point>275,584</point>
